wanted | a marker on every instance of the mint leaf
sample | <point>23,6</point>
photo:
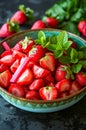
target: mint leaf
<point>83,63</point>
<point>74,56</point>
<point>65,59</point>
<point>76,67</point>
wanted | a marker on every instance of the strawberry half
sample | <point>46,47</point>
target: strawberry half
<point>33,95</point>
<point>26,77</point>
<point>63,85</point>
<point>40,72</point>
<point>48,62</point>
<point>48,93</point>
<point>5,78</point>
<point>36,84</point>
<point>16,90</point>
<point>75,87</point>
<point>36,53</point>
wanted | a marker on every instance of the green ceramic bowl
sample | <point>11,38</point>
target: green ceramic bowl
<point>41,106</point>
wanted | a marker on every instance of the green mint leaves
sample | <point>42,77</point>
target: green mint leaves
<point>60,45</point>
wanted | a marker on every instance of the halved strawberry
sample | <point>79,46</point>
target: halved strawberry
<point>3,67</point>
<point>5,78</point>
<point>15,65</point>
<point>33,95</point>
<point>48,62</point>
<point>36,53</point>
<point>75,87</point>
<point>63,85</point>
<point>7,60</point>
<point>26,77</point>
<point>81,78</point>
<point>48,93</point>
<point>5,53</point>
<point>40,72</point>
<point>17,54</point>
<point>16,90</point>
<point>36,84</point>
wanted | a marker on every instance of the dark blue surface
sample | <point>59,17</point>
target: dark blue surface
<point>11,118</point>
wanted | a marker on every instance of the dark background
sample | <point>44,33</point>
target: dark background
<point>11,118</point>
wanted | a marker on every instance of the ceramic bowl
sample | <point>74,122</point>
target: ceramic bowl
<point>41,106</point>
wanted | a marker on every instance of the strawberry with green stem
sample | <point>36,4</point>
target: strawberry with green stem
<point>23,15</point>
<point>9,28</point>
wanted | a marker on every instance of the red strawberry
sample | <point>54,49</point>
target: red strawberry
<point>3,67</point>
<point>39,72</point>
<point>17,54</point>
<point>60,73</point>
<point>24,45</point>
<point>48,93</point>
<point>75,87</point>
<point>33,95</point>
<point>23,15</point>
<point>16,90</point>
<point>36,53</point>
<point>26,77</point>
<point>49,78</point>
<point>5,53</point>
<point>64,94</point>
<point>81,78</point>
<point>36,84</point>
<point>7,60</point>
<point>38,25</point>
<point>5,77</point>
<point>48,62</point>
<point>51,22</point>
<point>8,29</point>
<point>82,27</point>
<point>15,65</point>
<point>63,85</point>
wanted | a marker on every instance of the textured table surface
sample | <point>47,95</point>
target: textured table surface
<point>11,118</point>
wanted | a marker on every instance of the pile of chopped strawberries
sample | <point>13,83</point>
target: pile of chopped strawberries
<point>31,71</point>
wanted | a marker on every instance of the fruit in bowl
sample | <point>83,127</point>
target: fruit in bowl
<point>43,70</point>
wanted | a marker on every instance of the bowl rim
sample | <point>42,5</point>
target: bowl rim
<point>41,101</point>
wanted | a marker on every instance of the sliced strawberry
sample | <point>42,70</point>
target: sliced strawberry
<point>75,87</point>
<point>40,72</point>
<point>5,78</point>
<point>63,85</point>
<point>26,77</point>
<point>33,95</point>
<point>48,93</point>
<point>5,53</point>
<point>36,84</point>
<point>36,53</point>
<point>64,94</point>
<point>17,54</point>
<point>3,67</point>
<point>16,90</point>
<point>60,73</point>
<point>38,25</point>
<point>48,62</point>
<point>81,78</point>
<point>15,65</point>
<point>7,60</point>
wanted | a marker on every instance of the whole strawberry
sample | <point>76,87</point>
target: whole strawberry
<point>8,29</point>
<point>51,22</point>
<point>38,25</point>
<point>23,15</point>
<point>82,27</point>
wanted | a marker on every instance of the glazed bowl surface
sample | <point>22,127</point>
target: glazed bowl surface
<point>41,106</point>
